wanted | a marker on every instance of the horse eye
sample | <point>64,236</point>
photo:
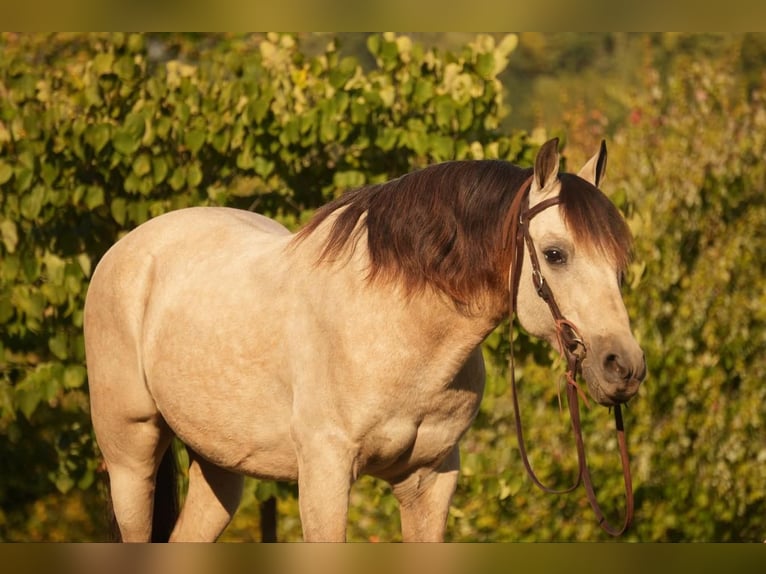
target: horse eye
<point>555,256</point>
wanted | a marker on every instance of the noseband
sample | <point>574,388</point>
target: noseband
<point>573,348</point>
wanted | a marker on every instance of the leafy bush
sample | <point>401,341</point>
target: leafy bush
<point>692,164</point>
<point>100,132</point>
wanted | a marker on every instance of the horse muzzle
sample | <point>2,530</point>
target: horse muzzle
<point>614,376</point>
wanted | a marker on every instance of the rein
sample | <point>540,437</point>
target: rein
<point>573,348</point>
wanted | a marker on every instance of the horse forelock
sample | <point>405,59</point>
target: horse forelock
<point>594,221</point>
<point>444,226</point>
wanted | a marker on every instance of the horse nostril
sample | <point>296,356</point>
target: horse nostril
<point>614,366</point>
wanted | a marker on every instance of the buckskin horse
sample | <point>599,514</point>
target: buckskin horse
<point>349,348</point>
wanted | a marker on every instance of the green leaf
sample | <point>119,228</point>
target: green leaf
<point>178,179</point>
<point>138,212</point>
<point>423,91</point>
<point>58,346</point>
<point>49,172</point>
<point>83,259</point>
<point>464,117</point>
<point>135,43</point>
<point>102,63</point>
<point>118,209</point>
<point>24,178</point>
<point>445,111</point>
<point>94,196</point>
<point>32,202</point>
<point>9,234</point>
<point>159,170</point>
<point>195,139</point>
<point>245,158</point>
<point>259,108</point>
<point>389,54</point>
<point>11,265</point>
<point>328,128</point>
<point>443,148</point>
<point>6,172</point>
<point>86,480</point>
<point>132,183</point>
<point>194,175</point>
<point>340,74</point>
<point>373,44</point>
<point>125,68</point>
<point>64,483</point>
<point>359,111</point>
<point>31,266</point>
<point>27,397</point>
<point>6,312</point>
<point>348,179</point>
<point>142,165</point>
<point>485,65</point>
<point>387,138</point>
<point>127,138</point>
<point>97,136</point>
<point>74,377</point>
<point>220,141</point>
<point>54,268</point>
<point>263,167</point>
<point>125,143</point>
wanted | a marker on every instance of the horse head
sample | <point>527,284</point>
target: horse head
<point>582,246</point>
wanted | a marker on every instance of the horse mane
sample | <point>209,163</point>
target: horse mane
<point>447,226</point>
<point>594,221</point>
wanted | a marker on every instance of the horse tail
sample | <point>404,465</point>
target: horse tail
<point>165,498</point>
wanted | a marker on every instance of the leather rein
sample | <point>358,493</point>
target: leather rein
<point>574,350</point>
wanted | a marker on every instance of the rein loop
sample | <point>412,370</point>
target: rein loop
<point>573,348</point>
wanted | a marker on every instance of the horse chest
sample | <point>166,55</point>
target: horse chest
<point>418,435</point>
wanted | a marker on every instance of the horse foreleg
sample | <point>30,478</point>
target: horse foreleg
<point>324,481</point>
<point>211,501</point>
<point>424,498</point>
<point>132,495</point>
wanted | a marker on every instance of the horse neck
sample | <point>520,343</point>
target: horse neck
<point>426,318</point>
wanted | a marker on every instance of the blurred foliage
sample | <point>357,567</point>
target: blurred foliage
<point>699,216</point>
<point>99,132</point>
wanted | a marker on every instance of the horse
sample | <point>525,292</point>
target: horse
<point>349,348</point>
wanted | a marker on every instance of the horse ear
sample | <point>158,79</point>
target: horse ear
<point>546,165</point>
<point>594,169</point>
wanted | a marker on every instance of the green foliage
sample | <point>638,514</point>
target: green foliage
<point>98,133</point>
<point>699,216</point>
<point>687,169</point>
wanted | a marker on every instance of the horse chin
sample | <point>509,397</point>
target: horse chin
<point>599,395</point>
<point>607,394</point>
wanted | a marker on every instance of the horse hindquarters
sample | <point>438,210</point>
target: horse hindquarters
<point>131,433</point>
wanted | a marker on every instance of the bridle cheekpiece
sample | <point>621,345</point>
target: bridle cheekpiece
<point>572,346</point>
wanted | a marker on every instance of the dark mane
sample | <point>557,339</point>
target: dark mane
<point>594,221</point>
<point>447,226</point>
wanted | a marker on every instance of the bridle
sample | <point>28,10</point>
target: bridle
<point>574,350</point>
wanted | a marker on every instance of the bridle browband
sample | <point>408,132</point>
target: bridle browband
<point>572,346</point>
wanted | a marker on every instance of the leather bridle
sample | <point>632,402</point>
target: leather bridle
<point>573,347</point>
